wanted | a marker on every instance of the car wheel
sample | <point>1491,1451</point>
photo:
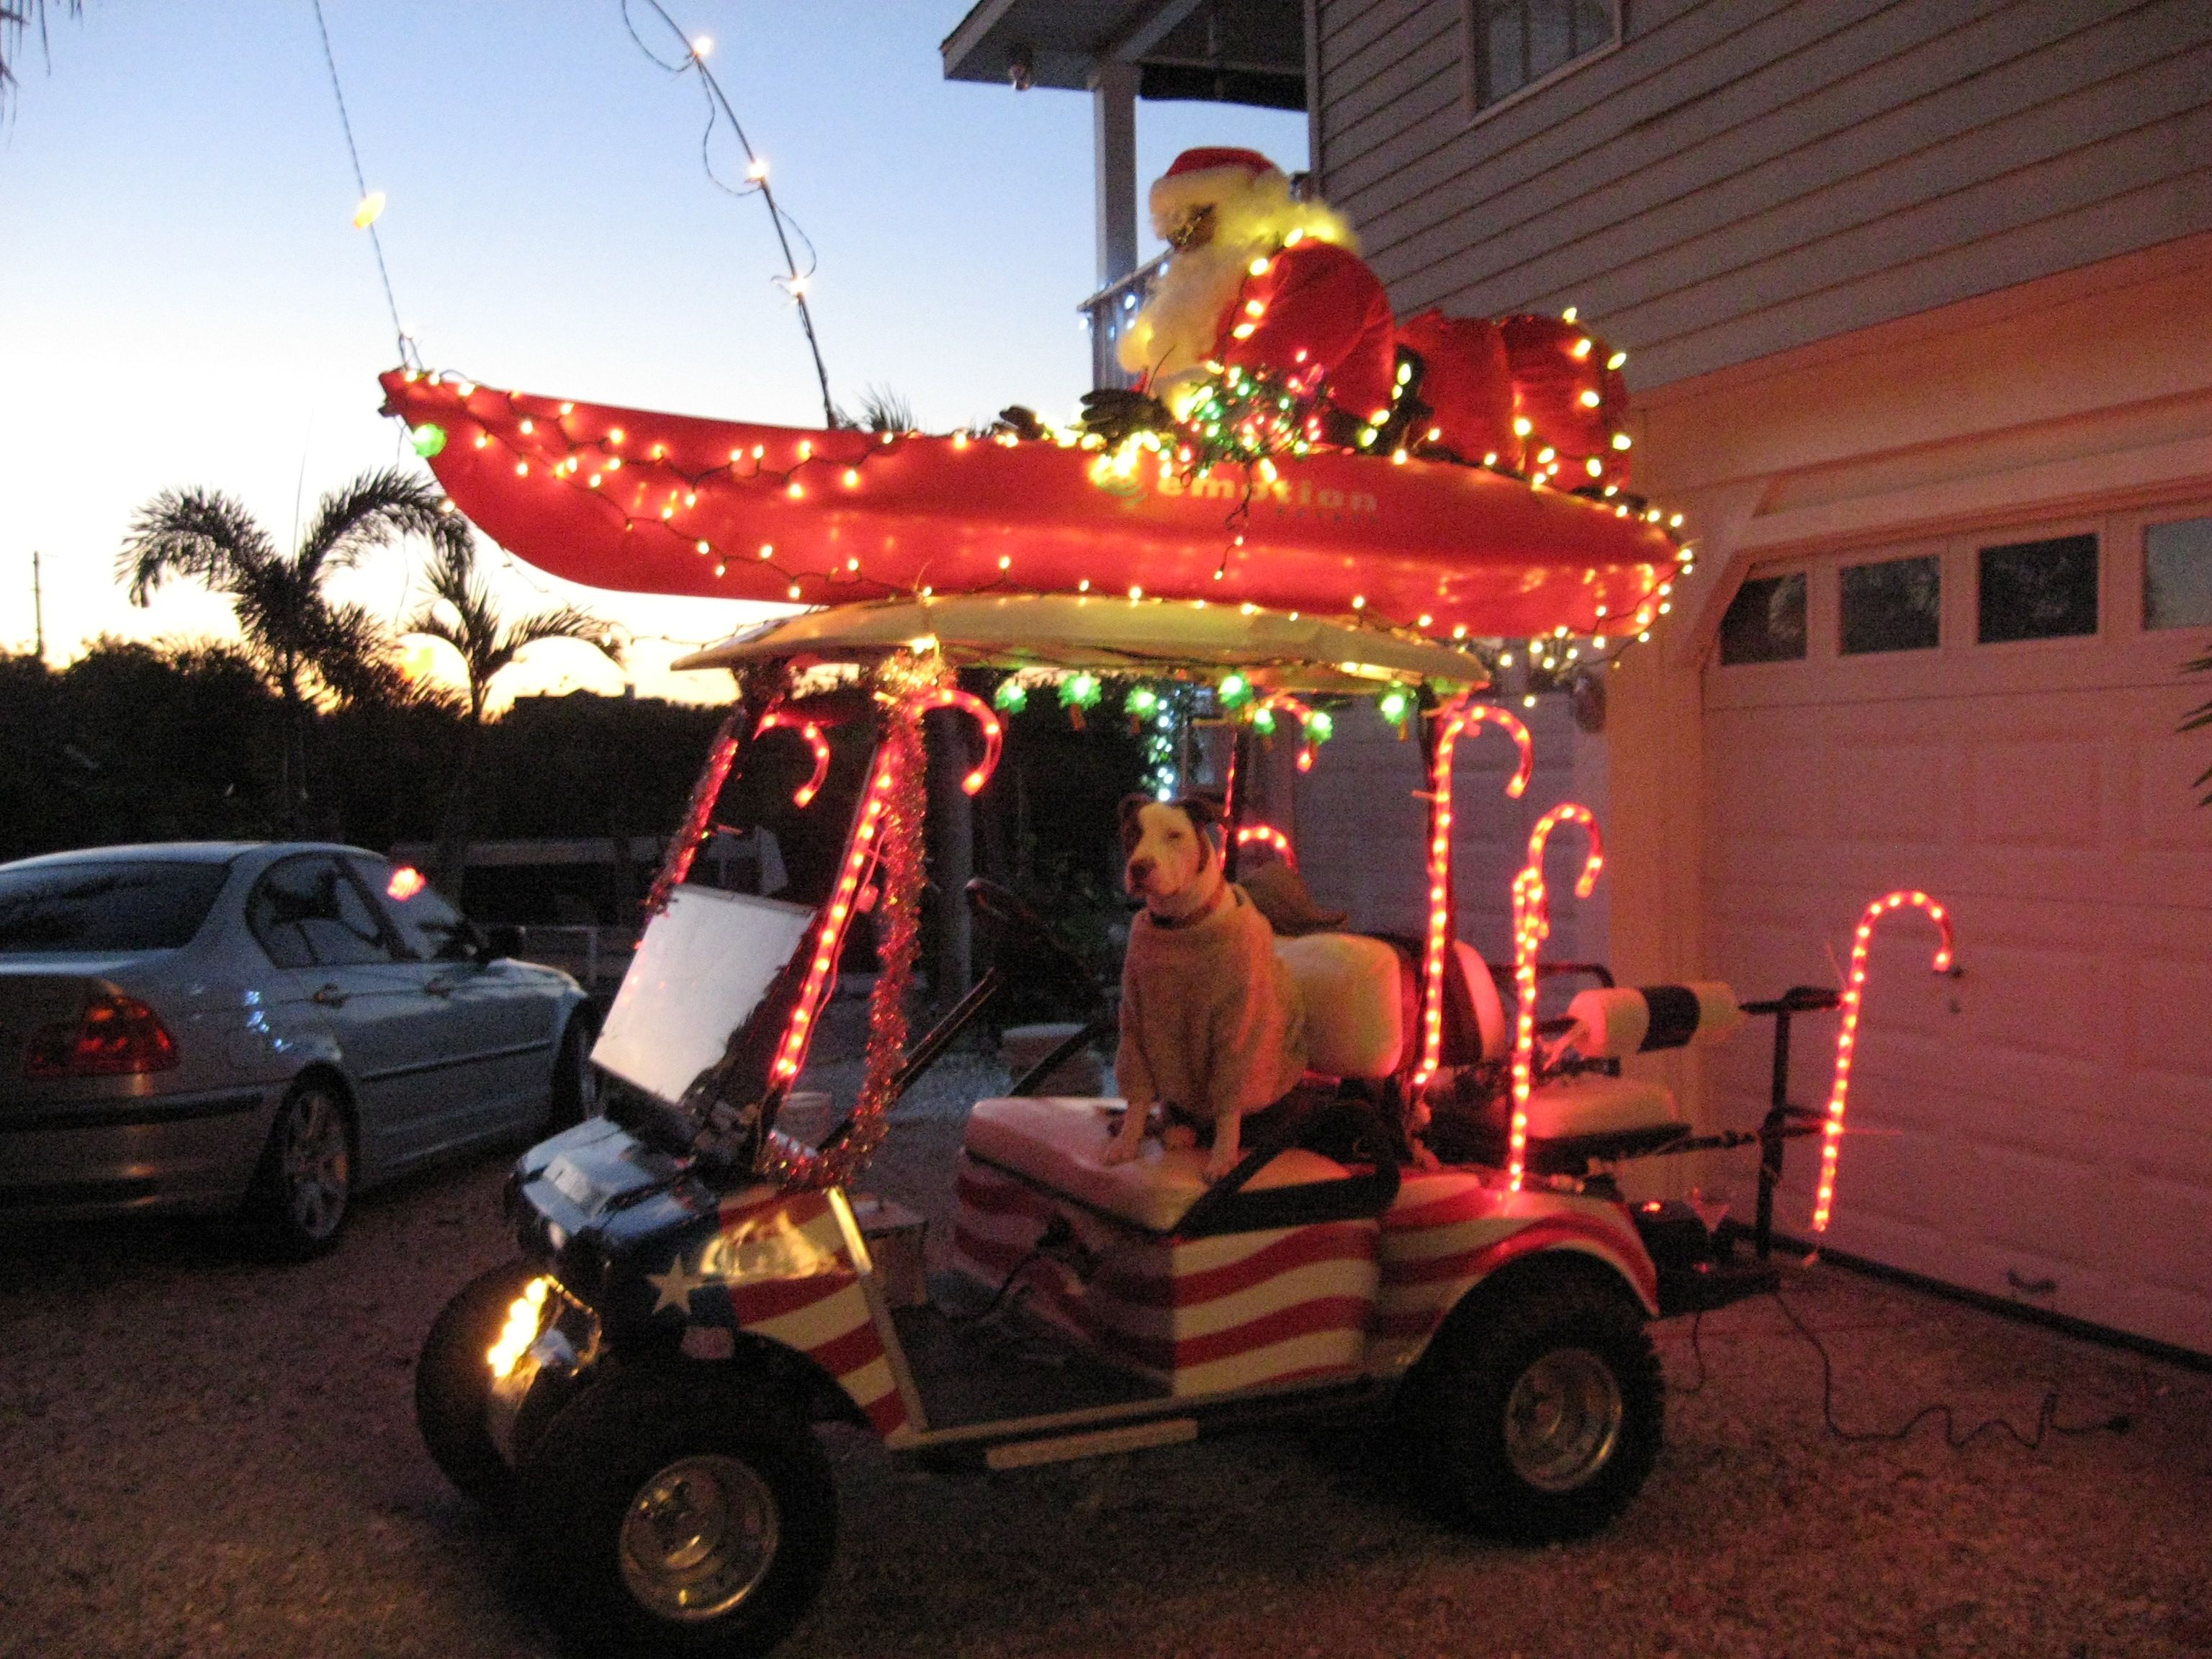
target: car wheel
<point>1538,1410</point>
<point>675,1513</point>
<point>302,1191</point>
<point>453,1384</point>
<point>575,1084</point>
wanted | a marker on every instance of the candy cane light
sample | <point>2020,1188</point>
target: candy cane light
<point>1454,717</point>
<point>1271,836</point>
<point>1832,1135</point>
<point>1532,926</point>
<point>1313,724</point>
<point>817,745</point>
<point>994,736</point>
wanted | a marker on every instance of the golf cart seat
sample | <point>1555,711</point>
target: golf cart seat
<point>1059,1143</point>
<point>1355,1028</point>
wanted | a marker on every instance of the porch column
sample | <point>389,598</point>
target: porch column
<point>1113,151</point>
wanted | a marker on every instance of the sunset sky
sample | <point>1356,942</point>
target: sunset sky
<point>187,302</point>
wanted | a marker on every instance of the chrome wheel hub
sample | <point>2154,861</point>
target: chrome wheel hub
<point>317,1164</point>
<point>1563,1419</point>
<point>699,1537</point>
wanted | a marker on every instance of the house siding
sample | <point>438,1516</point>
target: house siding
<point>1742,177</point>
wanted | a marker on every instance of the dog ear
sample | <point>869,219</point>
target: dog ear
<point>1205,822</point>
<point>1133,828</point>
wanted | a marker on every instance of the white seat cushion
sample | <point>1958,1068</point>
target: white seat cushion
<point>1058,1141</point>
<point>1489,1011</point>
<point>1350,989</point>
<point>1592,1105</point>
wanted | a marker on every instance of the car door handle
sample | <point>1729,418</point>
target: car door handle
<point>330,996</point>
<point>441,987</point>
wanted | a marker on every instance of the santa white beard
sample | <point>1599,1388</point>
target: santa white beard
<point>1169,342</point>
<point>1181,322</point>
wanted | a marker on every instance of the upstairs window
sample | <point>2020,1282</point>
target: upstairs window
<point>1517,43</point>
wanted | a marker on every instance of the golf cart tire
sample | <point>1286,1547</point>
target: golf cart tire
<point>654,1439</point>
<point>1538,1410</point>
<point>452,1386</point>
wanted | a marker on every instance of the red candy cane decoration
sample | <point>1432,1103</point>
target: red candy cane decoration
<point>790,720</point>
<point>994,737</point>
<point>1273,837</point>
<point>1831,1137</point>
<point>1454,717</point>
<point>1284,700</point>
<point>1532,926</point>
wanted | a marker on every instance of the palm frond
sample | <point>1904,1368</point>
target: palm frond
<point>199,533</point>
<point>350,651</point>
<point>372,511</point>
<point>883,410</point>
<point>566,622</point>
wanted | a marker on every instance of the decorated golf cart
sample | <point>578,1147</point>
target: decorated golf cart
<point>1442,1240</point>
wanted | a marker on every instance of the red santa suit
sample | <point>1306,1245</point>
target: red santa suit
<point>1262,282</point>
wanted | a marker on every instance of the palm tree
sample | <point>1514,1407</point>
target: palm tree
<point>306,643</point>
<point>460,611</point>
<point>15,16</point>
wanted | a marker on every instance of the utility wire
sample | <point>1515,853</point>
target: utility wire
<point>345,121</point>
<point>794,280</point>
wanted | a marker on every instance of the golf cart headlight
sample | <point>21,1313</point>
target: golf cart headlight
<point>523,1319</point>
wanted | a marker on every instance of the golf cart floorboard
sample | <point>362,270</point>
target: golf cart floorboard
<point>1008,1366</point>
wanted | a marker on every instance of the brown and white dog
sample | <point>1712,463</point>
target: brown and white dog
<point>1212,1028</point>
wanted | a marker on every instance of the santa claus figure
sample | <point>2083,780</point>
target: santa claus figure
<point>1262,282</point>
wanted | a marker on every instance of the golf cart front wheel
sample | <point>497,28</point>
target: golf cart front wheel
<point>677,1514</point>
<point>1538,1411</point>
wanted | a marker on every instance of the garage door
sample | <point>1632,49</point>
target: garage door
<point>1990,717</point>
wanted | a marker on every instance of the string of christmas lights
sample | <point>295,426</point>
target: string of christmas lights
<point>1453,719</point>
<point>1832,1135</point>
<point>1532,926</point>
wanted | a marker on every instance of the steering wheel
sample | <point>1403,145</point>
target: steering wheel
<point>1022,941</point>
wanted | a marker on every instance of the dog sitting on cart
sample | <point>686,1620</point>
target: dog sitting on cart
<point>696,1289</point>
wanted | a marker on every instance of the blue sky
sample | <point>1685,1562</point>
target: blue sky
<point>187,301</point>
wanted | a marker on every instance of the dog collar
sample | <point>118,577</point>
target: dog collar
<point>1198,916</point>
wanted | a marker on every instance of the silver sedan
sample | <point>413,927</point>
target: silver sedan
<point>260,1029</point>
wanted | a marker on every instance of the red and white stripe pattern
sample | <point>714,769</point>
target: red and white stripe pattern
<point>1204,1316</point>
<point>787,1260</point>
<point>1450,1231</point>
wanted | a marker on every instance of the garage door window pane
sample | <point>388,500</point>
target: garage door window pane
<point>1765,622</point>
<point>2177,574</point>
<point>1895,606</point>
<point>2039,590</point>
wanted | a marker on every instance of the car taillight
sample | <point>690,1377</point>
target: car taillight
<point>114,1036</point>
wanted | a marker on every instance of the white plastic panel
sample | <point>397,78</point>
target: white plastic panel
<point>699,971</point>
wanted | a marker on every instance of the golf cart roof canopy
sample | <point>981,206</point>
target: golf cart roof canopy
<point>1105,634</point>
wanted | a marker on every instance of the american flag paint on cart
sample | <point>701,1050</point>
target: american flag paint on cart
<point>1448,1231</point>
<point>1203,1317</point>
<point>788,1266</point>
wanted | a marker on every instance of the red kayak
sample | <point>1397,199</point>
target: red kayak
<point>641,502</point>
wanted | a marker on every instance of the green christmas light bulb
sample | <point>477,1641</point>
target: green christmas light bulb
<point>1012,697</point>
<point>428,438</point>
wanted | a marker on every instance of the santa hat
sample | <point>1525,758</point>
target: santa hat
<point>1202,177</point>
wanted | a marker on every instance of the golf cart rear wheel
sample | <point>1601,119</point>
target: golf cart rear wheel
<point>672,1511</point>
<point>453,1385</point>
<point>1538,1410</point>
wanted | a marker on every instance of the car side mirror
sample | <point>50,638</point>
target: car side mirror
<point>503,940</point>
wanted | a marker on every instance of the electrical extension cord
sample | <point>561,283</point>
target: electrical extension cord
<point>2046,1416</point>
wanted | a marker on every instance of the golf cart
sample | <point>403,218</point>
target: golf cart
<point>698,1288</point>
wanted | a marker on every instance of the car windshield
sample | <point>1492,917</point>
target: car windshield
<point>124,905</point>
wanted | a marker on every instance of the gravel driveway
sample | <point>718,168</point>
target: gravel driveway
<point>206,1457</point>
